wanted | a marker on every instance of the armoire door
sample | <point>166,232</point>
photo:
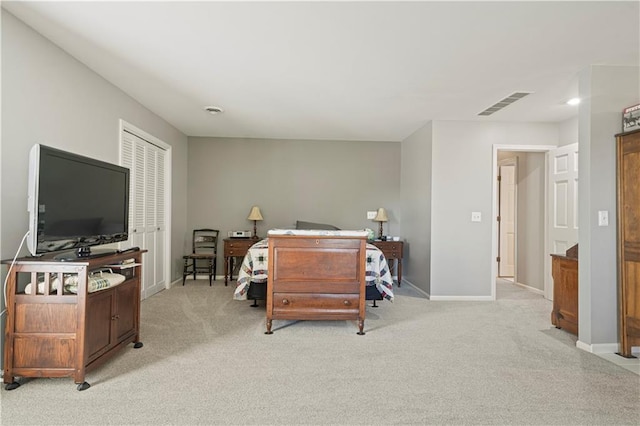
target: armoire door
<point>628,177</point>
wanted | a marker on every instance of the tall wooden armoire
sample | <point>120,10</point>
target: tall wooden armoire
<point>628,177</point>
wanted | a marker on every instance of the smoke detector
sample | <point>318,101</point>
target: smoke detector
<point>213,110</point>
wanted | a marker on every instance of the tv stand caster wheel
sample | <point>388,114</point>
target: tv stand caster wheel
<point>83,386</point>
<point>137,345</point>
<point>12,385</point>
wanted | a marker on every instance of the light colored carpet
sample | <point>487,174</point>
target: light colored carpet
<point>206,360</point>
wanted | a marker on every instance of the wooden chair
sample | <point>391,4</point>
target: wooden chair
<point>204,250</point>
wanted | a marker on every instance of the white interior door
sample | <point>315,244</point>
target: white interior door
<point>562,166</point>
<point>507,218</point>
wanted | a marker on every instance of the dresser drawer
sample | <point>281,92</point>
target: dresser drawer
<point>315,305</point>
<point>321,287</point>
<point>394,253</point>
<point>390,249</point>
<point>237,248</point>
<point>237,251</point>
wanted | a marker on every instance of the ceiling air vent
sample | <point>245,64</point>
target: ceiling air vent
<point>505,102</point>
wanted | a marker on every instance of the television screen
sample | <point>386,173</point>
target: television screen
<point>75,202</point>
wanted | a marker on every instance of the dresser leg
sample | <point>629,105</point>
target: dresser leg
<point>361,327</point>
<point>268,327</point>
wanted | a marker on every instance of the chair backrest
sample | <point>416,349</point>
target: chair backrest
<point>205,241</point>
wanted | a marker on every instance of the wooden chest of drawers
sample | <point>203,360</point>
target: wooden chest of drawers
<point>393,252</point>
<point>235,247</point>
<point>316,278</point>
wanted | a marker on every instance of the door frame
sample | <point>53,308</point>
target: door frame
<point>494,205</point>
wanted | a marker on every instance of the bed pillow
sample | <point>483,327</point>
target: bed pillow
<point>300,224</point>
<point>96,282</point>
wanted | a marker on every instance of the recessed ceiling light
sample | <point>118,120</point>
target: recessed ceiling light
<point>573,101</point>
<point>213,110</point>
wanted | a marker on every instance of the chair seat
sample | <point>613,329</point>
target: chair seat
<point>199,256</point>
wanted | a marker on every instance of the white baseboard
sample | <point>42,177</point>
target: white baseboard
<point>598,348</point>
<point>463,298</point>
<point>531,289</point>
<point>447,298</point>
<point>418,289</point>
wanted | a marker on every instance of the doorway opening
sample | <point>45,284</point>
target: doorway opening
<point>520,221</point>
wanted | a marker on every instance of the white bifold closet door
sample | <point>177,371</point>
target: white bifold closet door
<point>147,225</point>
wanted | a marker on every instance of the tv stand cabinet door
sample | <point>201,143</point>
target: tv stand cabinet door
<point>100,323</point>
<point>127,306</point>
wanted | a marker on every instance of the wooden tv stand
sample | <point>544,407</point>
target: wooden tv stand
<point>56,333</point>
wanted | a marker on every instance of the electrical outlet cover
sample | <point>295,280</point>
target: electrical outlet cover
<point>371,214</point>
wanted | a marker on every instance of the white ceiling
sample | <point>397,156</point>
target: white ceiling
<point>340,70</point>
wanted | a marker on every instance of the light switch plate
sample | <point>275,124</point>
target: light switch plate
<point>603,218</point>
<point>476,216</point>
<point>371,214</point>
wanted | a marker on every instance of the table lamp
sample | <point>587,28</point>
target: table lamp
<point>255,216</point>
<point>381,217</point>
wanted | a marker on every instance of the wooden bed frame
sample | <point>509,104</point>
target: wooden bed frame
<point>317,277</point>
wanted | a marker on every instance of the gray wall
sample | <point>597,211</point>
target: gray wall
<point>568,132</point>
<point>461,257</point>
<point>49,97</point>
<point>606,91</point>
<point>332,182</point>
<point>416,207</point>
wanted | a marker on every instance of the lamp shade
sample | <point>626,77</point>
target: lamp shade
<point>255,213</point>
<point>381,216</point>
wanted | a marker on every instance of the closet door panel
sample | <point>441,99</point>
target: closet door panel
<point>147,207</point>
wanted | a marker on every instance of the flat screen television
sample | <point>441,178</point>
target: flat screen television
<point>75,203</point>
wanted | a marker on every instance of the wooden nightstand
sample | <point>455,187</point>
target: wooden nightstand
<point>392,251</point>
<point>235,247</point>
